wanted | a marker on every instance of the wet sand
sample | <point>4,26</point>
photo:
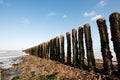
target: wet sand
<point>41,66</point>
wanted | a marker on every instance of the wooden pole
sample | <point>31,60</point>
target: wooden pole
<point>115,34</point>
<point>106,54</point>
<point>54,49</point>
<point>81,48</point>
<point>47,50</point>
<point>75,48</point>
<point>33,51</point>
<point>68,48</point>
<point>51,50</point>
<point>57,48</point>
<point>40,51</point>
<point>44,50</point>
<point>89,47</point>
<point>62,53</point>
<point>36,51</point>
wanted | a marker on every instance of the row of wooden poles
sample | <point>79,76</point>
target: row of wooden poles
<point>54,49</point>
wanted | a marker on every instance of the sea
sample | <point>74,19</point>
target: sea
<point>10,57</point>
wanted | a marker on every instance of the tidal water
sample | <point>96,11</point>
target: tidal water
<point>8,58</point>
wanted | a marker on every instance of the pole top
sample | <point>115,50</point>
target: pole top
<point>87,25</point>
<point>101,20</point>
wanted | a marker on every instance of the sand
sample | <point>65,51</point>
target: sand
<point>39,66</point>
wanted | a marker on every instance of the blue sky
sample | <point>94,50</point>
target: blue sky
<point>25,23</point>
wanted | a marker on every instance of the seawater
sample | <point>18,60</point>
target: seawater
<point>8,58</point>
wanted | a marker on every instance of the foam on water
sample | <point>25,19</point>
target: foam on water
<point>8,58</point>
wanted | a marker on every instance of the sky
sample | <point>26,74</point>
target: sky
<point>25,23</point>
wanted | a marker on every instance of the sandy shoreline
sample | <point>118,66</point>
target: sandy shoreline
<point>32,68</point>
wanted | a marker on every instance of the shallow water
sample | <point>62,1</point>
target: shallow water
<point>8,58</point>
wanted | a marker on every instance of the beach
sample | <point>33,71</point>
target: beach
<point>35,68</point>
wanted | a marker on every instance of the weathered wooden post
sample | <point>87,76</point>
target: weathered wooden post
<point>47,50</point>
<point>39,51</point>
<point>46,55</point>
<point>38,46</point>
<point>68,48</point>
<point>115,33</point>
<point>51,50</point>
<point>35,48</point>
<point>33,51</point>
<point>89,47</point>
<point>26,51</point>
<point>57,48</point>
<point>36,51</point>
<point>43,56</point>
<point>81,48</point>
<point>106,54</point>
<point>42,50</point>
<point>54,49</point>
<point>62,53</point>
<point>75,48</point>
<point>29,50</point>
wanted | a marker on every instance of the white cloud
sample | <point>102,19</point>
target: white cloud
<point>92,13</point>
<point>52,13</point>
<point>25,21</point>
<point>65,16</point>
<point>96,17</point>
<point>101,3</point>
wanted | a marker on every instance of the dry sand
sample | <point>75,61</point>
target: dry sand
<point>45,67</point>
